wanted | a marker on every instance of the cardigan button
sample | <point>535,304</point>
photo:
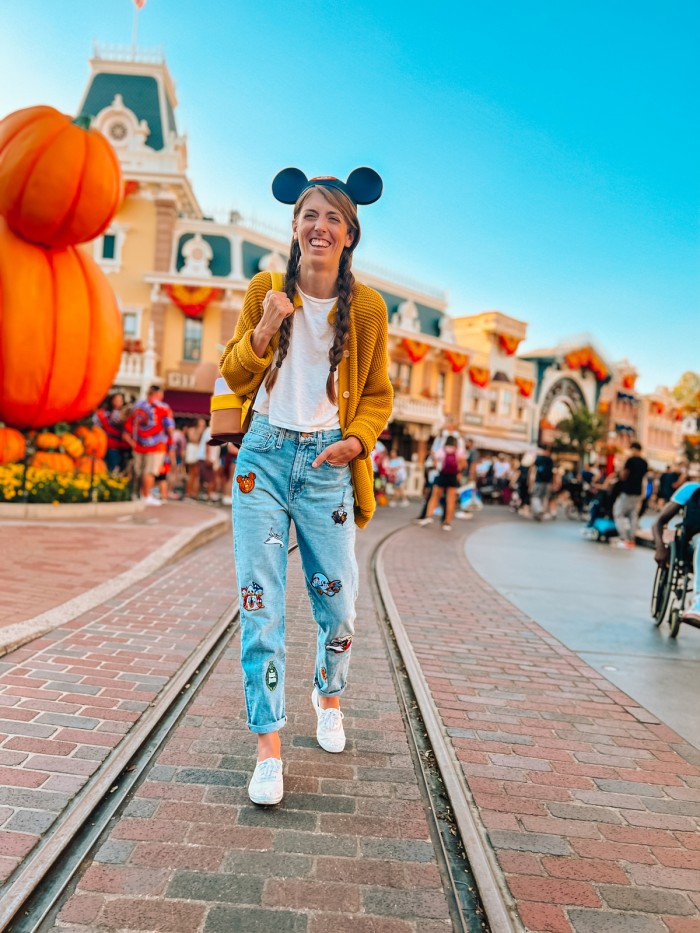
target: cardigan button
<point>346,353</point>
<point>346,394</point>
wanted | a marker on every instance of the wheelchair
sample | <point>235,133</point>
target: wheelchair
<point>673,583</point>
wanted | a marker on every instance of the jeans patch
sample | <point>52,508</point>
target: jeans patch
<point>246,483</point>
<point>338,645</point>
<point>324,586</point>
<point>274,538</point>
<point>252,596</point>
<point>324,675</point>
<point>271,676</point>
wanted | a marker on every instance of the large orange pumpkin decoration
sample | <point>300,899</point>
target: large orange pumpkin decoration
<point>60,463</point>
<point>12,445</point>
<point>60,333</point>
<point>60,182</point>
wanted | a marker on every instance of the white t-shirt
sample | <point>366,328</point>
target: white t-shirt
<point>298,400</point>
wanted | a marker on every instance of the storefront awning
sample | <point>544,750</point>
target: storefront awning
<point>498,444</point>
<point>188,404</point>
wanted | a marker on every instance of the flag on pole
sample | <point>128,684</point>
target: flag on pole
<point>140,4</point>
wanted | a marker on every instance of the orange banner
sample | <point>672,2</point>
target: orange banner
<point>192,299</point>
<point>415,349</point>
<point>509,344</point>
<point>525,386</point>
<point>457,360</point>
<point>480,377</point>
<point>628,381</point>
<point>586,358</point>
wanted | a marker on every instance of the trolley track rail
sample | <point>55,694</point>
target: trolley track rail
<point>31,898</point>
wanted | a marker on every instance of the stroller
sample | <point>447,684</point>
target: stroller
<point>601,525</point>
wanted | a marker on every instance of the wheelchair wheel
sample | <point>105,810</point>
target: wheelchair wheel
<point>675,621</point>
<point>660,593</point>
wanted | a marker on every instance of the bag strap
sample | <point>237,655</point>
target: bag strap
<point>277,281</point>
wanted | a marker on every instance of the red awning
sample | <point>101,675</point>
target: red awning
<point>187,404</point>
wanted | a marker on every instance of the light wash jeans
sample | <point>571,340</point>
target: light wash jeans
<point>274,485</point>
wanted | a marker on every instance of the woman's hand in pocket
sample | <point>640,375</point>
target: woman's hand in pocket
<point>340,453</point>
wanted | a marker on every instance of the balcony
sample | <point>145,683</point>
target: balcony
<point>418,410</point>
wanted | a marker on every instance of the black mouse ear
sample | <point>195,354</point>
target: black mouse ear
<point>365,185</point>
<point>288,184</point>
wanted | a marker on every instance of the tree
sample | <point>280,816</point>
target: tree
<point>579,432</point>
<point>687,393</point>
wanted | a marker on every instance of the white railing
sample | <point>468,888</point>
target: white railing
<point>128,53</point>
<point>130,369</point>
<point>418,410</point>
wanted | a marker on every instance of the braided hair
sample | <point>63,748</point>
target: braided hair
<point>345,287</point>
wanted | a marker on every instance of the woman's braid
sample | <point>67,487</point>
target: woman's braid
<point>290,287</point>
<point>346,286</point>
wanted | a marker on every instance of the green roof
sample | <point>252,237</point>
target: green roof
<point>140,94</point>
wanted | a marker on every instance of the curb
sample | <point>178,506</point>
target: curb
<point>495,896</point>
<point>43,511</point>
<point>14,636</point>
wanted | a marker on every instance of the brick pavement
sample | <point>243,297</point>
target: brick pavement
<point>68,698</point>
<point>48,563</point>
<point>591,805</point>
<point>347,850</point>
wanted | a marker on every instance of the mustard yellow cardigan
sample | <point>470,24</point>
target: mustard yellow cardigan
<point>365,394</point>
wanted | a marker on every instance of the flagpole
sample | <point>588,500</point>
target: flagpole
<point>134,32</point>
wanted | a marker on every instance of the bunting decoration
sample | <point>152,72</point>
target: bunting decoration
<point>658,408</point>
<point>525,386</point>
<point>192,299</point>
<point>628,380</point>
<point>677,414</point>
<point>415,349</point>
<point>509,344</point>
<point>603,406</point>
<point>586,358</point>
<point>457,360</point>
<point>480,377</point>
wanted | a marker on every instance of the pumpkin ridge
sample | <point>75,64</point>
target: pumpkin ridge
<point>92,307</point>
<point>41,149</point>
<point>47,384</point>
<point>117,197</point>
<point>70,213</point>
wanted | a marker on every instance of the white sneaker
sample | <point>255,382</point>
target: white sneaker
<point>266,785</point>
<point>329,729</point>
<point>447,527</point>
<point>404,503</point>
<point>424,521</point>
<point>151,500</point>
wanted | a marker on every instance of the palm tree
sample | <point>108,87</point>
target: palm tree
<point>579,432</point>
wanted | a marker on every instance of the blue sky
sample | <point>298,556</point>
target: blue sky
<point>539,158</point>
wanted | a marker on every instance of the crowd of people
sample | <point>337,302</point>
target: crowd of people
<point>167,458</point>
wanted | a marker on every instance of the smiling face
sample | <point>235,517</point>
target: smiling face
<point>323,226</point>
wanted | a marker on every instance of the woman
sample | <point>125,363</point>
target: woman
<point>449,462</point>
<point>314,358</point>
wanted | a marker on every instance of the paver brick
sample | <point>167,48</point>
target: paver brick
<point>254,920</point>
<point>604,921</point>
<point>646,899</point>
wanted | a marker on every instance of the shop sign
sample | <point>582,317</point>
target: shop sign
<point>174,379</point>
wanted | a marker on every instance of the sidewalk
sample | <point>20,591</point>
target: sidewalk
<point>56,570</point>
<point>591,805</point>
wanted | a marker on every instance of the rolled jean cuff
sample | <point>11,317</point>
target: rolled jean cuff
<point>328,693</point>
<point>271,727</point>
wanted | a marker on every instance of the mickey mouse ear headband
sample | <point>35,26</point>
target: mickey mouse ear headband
<point>364,185</point>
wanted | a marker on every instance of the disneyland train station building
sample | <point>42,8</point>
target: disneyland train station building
<point>180,278</point>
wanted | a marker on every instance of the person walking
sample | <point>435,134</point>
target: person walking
<point>541,479</point>
<point>627,504</point>
<point>314,359</point>
<point>450,463</point>
<point>148,431</point>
